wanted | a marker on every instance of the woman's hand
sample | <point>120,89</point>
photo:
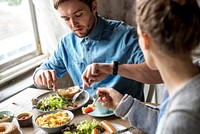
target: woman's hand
<point>109,97</point>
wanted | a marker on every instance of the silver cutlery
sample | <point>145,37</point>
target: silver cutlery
<point>123,130</point>
<point>94,102</point>
<point>76,96</point>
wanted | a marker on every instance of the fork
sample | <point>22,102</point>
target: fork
<point>123,130</point>
<point>94,102</point>
<point>76,96</point>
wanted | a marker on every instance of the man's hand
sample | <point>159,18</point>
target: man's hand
<point>46,78</point>
<point>96,72</point>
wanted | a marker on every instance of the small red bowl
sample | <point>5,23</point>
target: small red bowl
<point>24,119</point>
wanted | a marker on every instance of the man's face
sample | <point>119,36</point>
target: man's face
<point>78,16</point>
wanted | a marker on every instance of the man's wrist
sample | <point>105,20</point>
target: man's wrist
<point>115,67</point>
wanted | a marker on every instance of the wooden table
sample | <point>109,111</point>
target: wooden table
<point>21,102</point>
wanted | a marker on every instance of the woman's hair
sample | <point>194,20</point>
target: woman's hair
<point>58,2</point>
<point>173,24</point>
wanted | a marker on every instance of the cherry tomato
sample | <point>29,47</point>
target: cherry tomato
<point>88,109</point>
<point>75,105</point>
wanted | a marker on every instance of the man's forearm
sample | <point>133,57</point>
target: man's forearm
<point>140,72</point>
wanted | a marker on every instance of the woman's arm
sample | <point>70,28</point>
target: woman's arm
<point>139,115</point>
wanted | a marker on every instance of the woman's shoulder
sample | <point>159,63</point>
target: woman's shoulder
<point>188,98</point>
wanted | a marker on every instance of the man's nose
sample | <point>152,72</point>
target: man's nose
<point>73,22</point>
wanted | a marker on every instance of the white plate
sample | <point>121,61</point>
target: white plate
<point>81,100</point>
<point>118,127</point>
<point>20,131</point>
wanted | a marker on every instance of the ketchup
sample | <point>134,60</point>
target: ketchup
<point>24,117</point>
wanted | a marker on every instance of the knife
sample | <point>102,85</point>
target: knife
<point>123,130</point>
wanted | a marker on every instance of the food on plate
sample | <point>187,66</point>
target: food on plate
<point>85,127</point>
<point>4,116</point>
<point>8,128</point>
<point>69,92</point>
<point>53,119</point>
<point>88,109</point>
<point>107,126</point>
<point>53,102</point>
<point>95,131</point>
<point>70,129</point>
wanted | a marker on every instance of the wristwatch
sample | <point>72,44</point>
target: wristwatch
<point>115,67</point>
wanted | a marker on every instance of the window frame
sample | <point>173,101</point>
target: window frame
<point>20,65</point>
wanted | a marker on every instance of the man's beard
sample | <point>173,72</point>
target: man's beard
<point>89,28</point>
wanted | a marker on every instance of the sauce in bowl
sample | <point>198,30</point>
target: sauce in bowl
<point>24,117</point>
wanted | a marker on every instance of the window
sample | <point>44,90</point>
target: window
<point>19,41</point>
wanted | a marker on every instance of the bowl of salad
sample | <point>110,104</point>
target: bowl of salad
<point>84,127</point>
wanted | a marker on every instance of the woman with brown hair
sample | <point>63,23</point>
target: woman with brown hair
<point>169,30</point>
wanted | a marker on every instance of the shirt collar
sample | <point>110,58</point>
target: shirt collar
<point>98,30</point>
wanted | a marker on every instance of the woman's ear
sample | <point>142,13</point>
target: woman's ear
<point>146,40</point>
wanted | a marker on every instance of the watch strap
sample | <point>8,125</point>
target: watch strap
<point>115,67</point>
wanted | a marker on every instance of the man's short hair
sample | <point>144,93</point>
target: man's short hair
<point>58,2</point>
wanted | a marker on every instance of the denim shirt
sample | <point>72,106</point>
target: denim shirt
<point>109,41</point>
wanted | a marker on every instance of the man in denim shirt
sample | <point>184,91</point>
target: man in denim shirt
<point>93,39</point>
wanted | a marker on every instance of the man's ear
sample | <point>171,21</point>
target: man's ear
<point>94,6</point>
<point>146,40</point>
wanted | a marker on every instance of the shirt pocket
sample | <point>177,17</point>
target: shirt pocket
<point>76,69</point>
